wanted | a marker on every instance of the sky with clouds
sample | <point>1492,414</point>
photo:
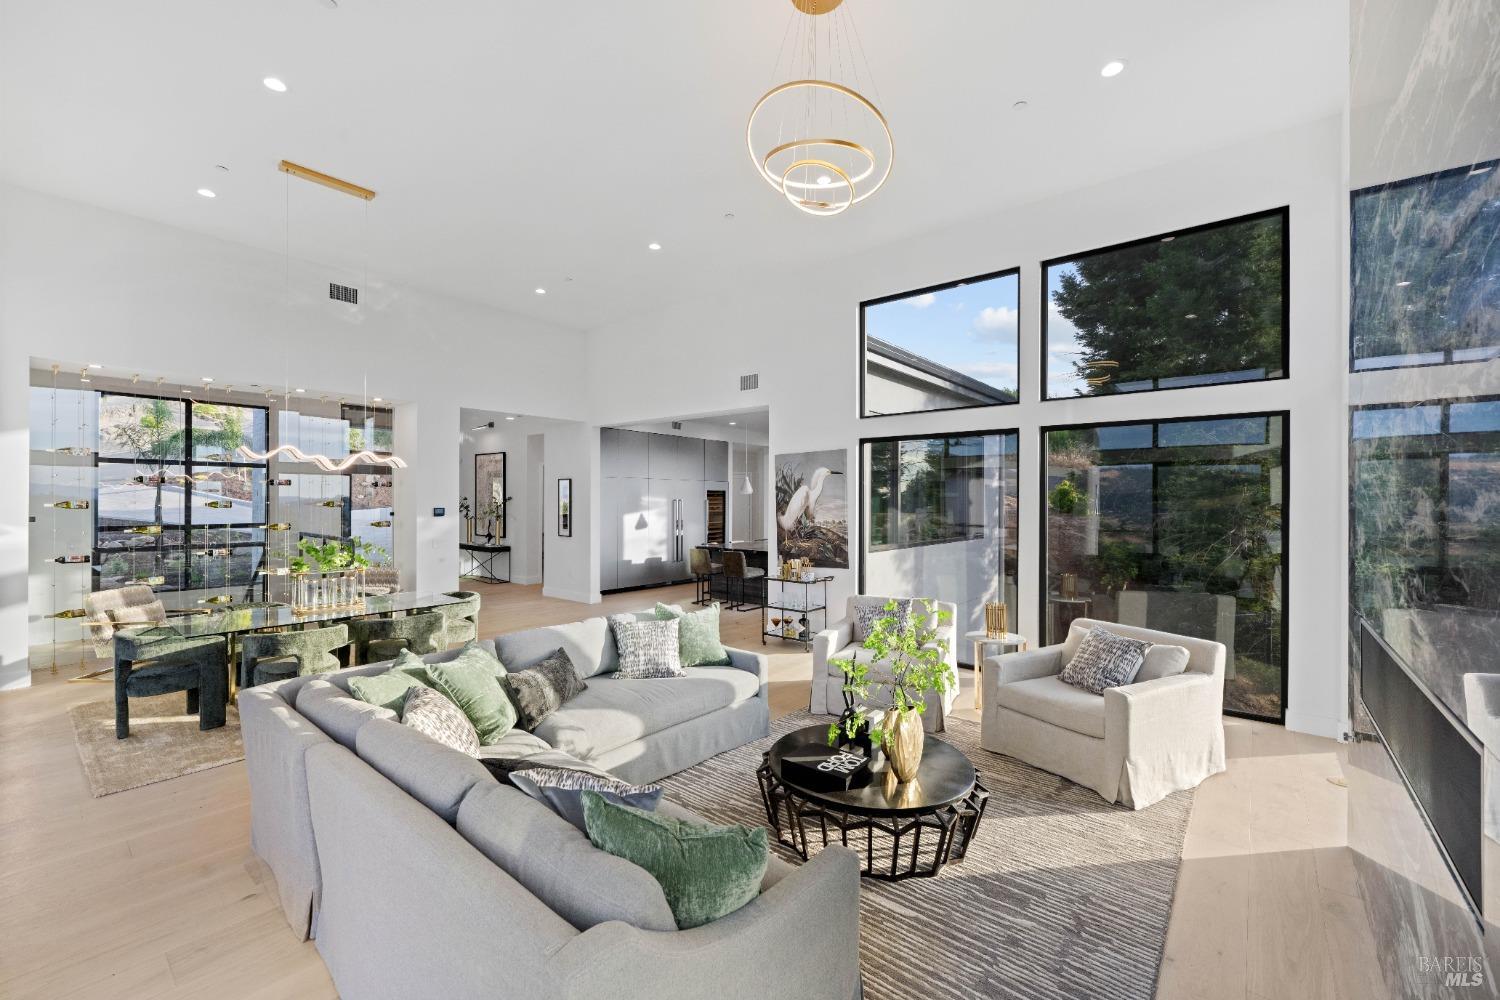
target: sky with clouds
<point>969,328</point>
<point>973,329</point>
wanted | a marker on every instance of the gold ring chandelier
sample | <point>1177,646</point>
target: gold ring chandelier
<point>819,141</point>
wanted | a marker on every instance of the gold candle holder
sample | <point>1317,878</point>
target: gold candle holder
<point>996,620</point>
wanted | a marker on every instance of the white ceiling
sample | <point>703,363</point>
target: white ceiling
<point>520,144</point>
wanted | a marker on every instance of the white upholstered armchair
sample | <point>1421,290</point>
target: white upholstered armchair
<point>838,642</point>
<point>1134,744</point>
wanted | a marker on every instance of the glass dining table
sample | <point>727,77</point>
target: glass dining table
<point>231,621</point>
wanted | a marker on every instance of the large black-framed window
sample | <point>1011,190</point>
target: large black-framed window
<point>1424,543</point>
<point>940,519</point>
<point>951,346</point>
<point>1425,270</point>
<point>1176,525</point>
<point>177,506</point>
<point>1208,305</point>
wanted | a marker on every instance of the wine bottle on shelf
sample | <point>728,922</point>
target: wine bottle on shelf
<point>281,482</point>
<point>218,599</point>
<point>71,450</point>
<point>279,526</point>
<point>69,505</point>
<point>70,613</point>
<point>144,529</point>
<point>331,503</point>
<point>219,504</point>
<point>72,559</point>
<point>380,524</point>
<point>150,581</point>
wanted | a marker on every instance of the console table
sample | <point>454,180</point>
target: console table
<point>483,557</point>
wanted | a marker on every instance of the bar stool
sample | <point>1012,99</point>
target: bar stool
<point>738,572</point>
<point>704,569</point>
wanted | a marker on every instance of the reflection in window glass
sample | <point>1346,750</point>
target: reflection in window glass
<point>943,348</point>
<point>1180,533</point>
<point>1425,288</point>
<point>1200,307</point>
<point>220,429</point>
<point>144,429</point>
<point>1425,538</point>
<point>941,521</point>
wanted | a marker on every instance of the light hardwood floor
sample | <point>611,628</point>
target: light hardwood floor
<point>154,893</point>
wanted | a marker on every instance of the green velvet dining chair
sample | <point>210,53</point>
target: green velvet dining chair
<point>377,639</point>
<point>462,620</point>
<point>274,656</point>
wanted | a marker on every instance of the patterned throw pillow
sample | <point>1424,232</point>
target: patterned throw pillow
<point>432,715</point>
<point>698,636</point>
<point>647,649</point>
<point>1104,660</point>
<point>865,616</point>
<point>562,790</point>
<point>541,688</point>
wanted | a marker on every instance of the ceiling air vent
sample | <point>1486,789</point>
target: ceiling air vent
<point>748,382</point>
<point>343,293</point>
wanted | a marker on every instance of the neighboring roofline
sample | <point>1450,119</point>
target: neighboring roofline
<point>900,355</point>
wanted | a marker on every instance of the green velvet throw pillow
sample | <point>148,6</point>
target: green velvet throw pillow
<point>472,682</point>
<point>410,663</point>
<point>698,642</point>
<point>388,690</point>
<point>706,872</point>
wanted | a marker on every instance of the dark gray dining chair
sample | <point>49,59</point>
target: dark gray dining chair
<point>377,639</point>
<point>274,656</point>
<point>156,660</point>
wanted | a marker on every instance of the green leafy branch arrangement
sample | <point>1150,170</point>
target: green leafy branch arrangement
<point>334,556</point>
<point>913,649</point>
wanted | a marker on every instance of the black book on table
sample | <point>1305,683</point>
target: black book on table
<point>825,768</point>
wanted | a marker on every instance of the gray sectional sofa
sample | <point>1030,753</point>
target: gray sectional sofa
<point>418,874</point>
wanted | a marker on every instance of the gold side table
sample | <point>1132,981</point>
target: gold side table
<point>981,639</point>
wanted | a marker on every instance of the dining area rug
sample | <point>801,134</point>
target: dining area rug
<point>164,743</point>
<point>1061,895</point>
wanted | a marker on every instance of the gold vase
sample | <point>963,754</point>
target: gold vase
<point>903,744</point>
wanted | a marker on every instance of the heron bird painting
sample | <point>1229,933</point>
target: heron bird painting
<point>812,508</point>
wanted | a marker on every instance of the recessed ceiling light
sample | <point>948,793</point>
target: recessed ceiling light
<point>301,390</point>
<point>653,246</point>
<point>220,166</point>
<point>96,367</point>
<point>541,291</point>
<point>1112,68</point>
<point>272,83</point>
<point>731,423</point>
<point>510,418</point>
<point>205,379</point>
<point>187,392</point>
<point>206,193</point>
<point>378,400</point>
<point>1402,284</point>
<point>729,216</point>
<point>1020,106</point>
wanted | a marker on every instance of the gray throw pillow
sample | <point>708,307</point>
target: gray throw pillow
<point>434,716</point>
<point>1163,660</point>
<point>865,616</point>
<point>562,790</point>
<point>1104,660</point>
<point>542,688</point>
<point>647,648</point>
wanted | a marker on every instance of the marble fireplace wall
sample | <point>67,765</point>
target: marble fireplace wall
<point>1424,450</point>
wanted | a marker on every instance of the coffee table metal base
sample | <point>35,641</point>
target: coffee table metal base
<point>894,846</point>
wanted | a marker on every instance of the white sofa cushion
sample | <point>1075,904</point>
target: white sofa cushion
<point>1163,660</point>
<point>332,709</point>
<point>589,644</point>
<point>1051,700</point>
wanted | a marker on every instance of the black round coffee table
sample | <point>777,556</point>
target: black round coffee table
<point>945,801</point>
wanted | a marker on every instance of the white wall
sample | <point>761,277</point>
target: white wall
<point>800,333</point>
<point>82,284</point>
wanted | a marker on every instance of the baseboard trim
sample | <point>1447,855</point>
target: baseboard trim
<point>1317,725</point>
<point>577,597</point>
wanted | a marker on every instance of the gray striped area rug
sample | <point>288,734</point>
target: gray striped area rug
<point>1061,894</point>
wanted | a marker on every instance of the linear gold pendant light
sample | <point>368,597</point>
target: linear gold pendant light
<point>327,180</point>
